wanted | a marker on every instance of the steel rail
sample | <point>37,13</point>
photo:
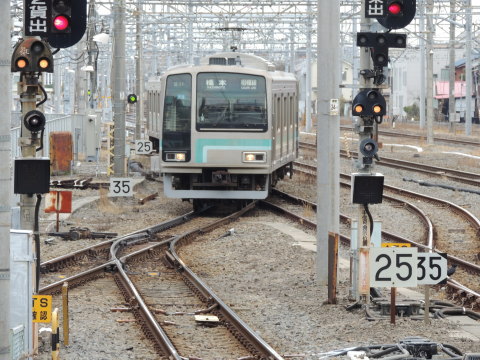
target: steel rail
<point>452,174</point>
<point>62,261</point>
<point>419,137</point>
<point>247,336</point>
<point>471,296</point>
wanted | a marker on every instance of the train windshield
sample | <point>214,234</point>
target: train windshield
<point>177,112</point>
<point>231,101</point>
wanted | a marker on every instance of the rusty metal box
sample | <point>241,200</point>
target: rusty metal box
<point>61,152</point>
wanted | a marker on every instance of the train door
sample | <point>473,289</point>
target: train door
<point>278,127</point>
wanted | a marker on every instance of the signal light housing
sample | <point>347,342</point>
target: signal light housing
<point>32,55</point>
<point>34,121</point>
<point>370,103</point>
<point>132,99</point>
<point>399,13</point>
<point>68,22</point>
<point>379,44</point>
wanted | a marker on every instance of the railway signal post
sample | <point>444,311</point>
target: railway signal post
<point>369,106</point>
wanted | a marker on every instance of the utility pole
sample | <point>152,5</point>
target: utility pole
<point>451,67</point>
<point>308,85</point>
<point>429,51</point>
<point>468,68</point>
<point>139,74</point>
<point>92,50</point>
<point>119,88</point>
<point>328,131</point>
<point>5,180</point>
<point>423,64</point>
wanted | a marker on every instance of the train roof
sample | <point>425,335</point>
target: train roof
<point>238,59</point>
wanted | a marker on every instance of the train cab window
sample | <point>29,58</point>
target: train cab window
<point>231,101</point>
<point>177,112</point>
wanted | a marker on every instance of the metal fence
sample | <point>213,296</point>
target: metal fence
<point>55,122</point>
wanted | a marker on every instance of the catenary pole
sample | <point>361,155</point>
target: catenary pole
<point>451,67</point>
<point>422,64</point>
<point>308,83</point>
<point>468,68</point>
<point>5,179</point>
<point>430,31</point>
<point>119,88</point>
<point>328,130</point>
<point>139,74</point>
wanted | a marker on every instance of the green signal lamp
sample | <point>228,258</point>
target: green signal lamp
<point>132,99</point>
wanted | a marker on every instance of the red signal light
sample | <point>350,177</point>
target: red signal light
<point>395,8</point>
<point>61,22</point>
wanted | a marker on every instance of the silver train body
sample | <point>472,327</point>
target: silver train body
<point>226,129</point>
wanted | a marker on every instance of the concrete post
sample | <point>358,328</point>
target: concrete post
<point>468,68</point>
<point>308,90</point>
<point>430,31</point>
<point>5,179</point>
<point>139,75</point>
<point>119,95</point>
<point>328,131</point>
<point>451,67</point>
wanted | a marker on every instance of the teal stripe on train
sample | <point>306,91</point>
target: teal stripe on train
<point>203,145</point>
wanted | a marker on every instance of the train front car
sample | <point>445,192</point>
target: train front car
<point>228,128</point>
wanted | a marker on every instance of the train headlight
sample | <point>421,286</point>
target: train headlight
<point>172,156</point>
<point>180,156</point>
<point>258,157</point>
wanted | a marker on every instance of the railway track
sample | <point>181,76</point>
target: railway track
<point>459,292</point>
<point>451,174</point>
<point>417,137</point>
<point>472,270</point>
<point>235,334</point>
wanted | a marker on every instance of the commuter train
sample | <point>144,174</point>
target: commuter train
<point>224,129</point>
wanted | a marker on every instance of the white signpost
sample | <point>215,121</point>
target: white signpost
<point>121,187</point>
<point>143,147</point>
<point>406,267</point>
<point>393,267</point>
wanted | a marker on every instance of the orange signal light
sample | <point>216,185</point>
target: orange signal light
<point>44,63</point>
<point>358,108</point>
<point>377,109</point>
<point>22,63</point>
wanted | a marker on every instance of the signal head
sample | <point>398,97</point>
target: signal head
<point>369,103</point>
<point>399,13</point>
<point>34,121</point>
<point>32,55</point>
<point>132,99</point>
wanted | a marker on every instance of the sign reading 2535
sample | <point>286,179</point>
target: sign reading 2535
<point>406,267</point>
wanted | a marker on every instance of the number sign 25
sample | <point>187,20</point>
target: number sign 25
<point>121,187</point>
<point>143,147</point>
<point>393,267</point>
